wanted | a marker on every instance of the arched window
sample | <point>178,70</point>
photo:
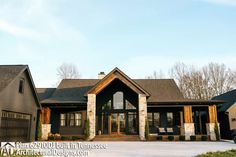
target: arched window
<point>118,100</point>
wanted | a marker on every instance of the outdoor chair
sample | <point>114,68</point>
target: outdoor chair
<point>162,131</point>
<point>170,131</point>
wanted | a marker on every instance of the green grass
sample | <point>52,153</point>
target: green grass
<point>229,153</point>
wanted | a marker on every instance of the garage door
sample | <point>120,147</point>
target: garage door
<point>14,126</point>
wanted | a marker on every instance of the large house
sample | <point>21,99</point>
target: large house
<point>115,104</point>
<point>227,113</point>
<point>19,105</point>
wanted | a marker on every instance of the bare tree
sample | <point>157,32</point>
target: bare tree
<point>156,75</point>
<point>67,71</point>
<point>203,83</point>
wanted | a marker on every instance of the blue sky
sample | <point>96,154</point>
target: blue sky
<point>138,36</point>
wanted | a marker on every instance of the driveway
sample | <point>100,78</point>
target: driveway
<point>162,149</point>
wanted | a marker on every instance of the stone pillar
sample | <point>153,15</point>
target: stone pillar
<point>189,129</point>
<point>91,114</point>
<point>212,116</point>
<point>46,130</point>
<point>142,115</point>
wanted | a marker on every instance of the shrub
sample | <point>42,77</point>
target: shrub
<point>204,138</point>
<point>51,137</point>
<point>65,138</point>
<point>182,138</point>
<point>193,138</point>
<point>74,138</point>
<point>217,132</point>
<point>39,131</point>
<point>146,130</point>
<point>57,137</point>
<point>159,138</point>
<point>87,129</point>
<point>170,137</point>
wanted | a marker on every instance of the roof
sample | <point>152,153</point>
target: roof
<point>116,73</point>
<point>8,73</point>
<point>228,97</point>
<point>74,90</point>
<point>45,93</point>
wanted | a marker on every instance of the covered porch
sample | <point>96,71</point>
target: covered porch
<point>187,118</point>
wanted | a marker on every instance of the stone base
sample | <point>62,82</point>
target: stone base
<point>189,130</point>
<point>46,129</point>
<point>211,131</point>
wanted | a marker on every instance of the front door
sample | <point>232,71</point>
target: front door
<point>117,123</point>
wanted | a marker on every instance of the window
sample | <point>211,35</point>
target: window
<point>149,118</point>
<point>63,119</point>
<point>129,106</point>
<point>156,119</point>
<point>21,86</point>
<point>107,106</point>
<point>71,119</point>
<point>169,119</point>
<point>118,98</point>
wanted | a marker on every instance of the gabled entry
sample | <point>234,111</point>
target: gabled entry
<point>116,105</point>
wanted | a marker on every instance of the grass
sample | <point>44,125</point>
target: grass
<point>228,153</point>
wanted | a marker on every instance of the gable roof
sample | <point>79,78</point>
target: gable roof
<point>116,73</point>
<point>228,97</point>
<point>8,73</point>
<point>74,90</point>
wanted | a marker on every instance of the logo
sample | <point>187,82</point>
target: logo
<point>7,148</point>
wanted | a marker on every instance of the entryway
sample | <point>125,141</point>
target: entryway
<point>117,123</point>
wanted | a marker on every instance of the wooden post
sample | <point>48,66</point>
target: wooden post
<point>188,114</point>
<point>46,115</point>
<point>212,113</point>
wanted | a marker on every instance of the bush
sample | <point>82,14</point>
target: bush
<point>51,137</point>
<point>159,138</point>
<point>39,131</point>
<point>217,132</point>
<point>146,130</point>
<point>170,137</point>
<point>204,138</point>
<point>182,138</point>
<point>87,129</point>
<point>74,138</point>
<point>65,138</point>
<point>193,138</point>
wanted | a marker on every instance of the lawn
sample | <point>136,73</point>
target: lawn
<point>229,153</point>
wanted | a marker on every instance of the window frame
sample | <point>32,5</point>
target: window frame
<point>71,120</point>
<point>21,86</point>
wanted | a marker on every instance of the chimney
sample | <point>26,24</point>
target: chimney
<point>101,75</point>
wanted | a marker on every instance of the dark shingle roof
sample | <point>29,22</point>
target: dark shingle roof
<point>45,93</point>
<point>74,90</point>
<point>228,97</point>
<point>8,74</point>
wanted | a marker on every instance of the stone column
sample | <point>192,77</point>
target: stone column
<point>91,114</point>
<point>189,129</point>
<point>142,115</point>
<point>210,126</point>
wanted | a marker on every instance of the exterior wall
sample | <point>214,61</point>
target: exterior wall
<point>91,114</point>
<point>12,100</point>
<point>232,116</point>
<point>142,115</point>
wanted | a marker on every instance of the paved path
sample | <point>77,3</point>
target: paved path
<point>162,149</point>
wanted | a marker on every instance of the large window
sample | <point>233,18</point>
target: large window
<point>154,119</point>
<point>169,119</point>
<point>21,86</point>
<point>118,100</point>
<point>71,119</point>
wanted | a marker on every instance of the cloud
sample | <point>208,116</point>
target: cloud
<point>222,2</point>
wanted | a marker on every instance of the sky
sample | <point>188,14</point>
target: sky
<point>137,36</point>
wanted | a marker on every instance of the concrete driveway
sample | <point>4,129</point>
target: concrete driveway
<point>162,149</point>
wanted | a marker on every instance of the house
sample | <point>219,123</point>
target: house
<point>115,104</point>
<point>19,104</point>
<point>227,113</point>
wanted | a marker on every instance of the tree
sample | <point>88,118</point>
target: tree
<point>156,75</point>
<point>203,83</point>
<point>67,71</point>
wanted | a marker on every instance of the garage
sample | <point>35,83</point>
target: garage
<point>14,126</point>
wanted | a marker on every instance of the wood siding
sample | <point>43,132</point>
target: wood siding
<point>188,118</point>
<point>212,114</point>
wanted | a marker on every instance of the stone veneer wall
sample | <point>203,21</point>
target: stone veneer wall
<point>91,114</point>
<point>189,130</point>
<point>142,115</point>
